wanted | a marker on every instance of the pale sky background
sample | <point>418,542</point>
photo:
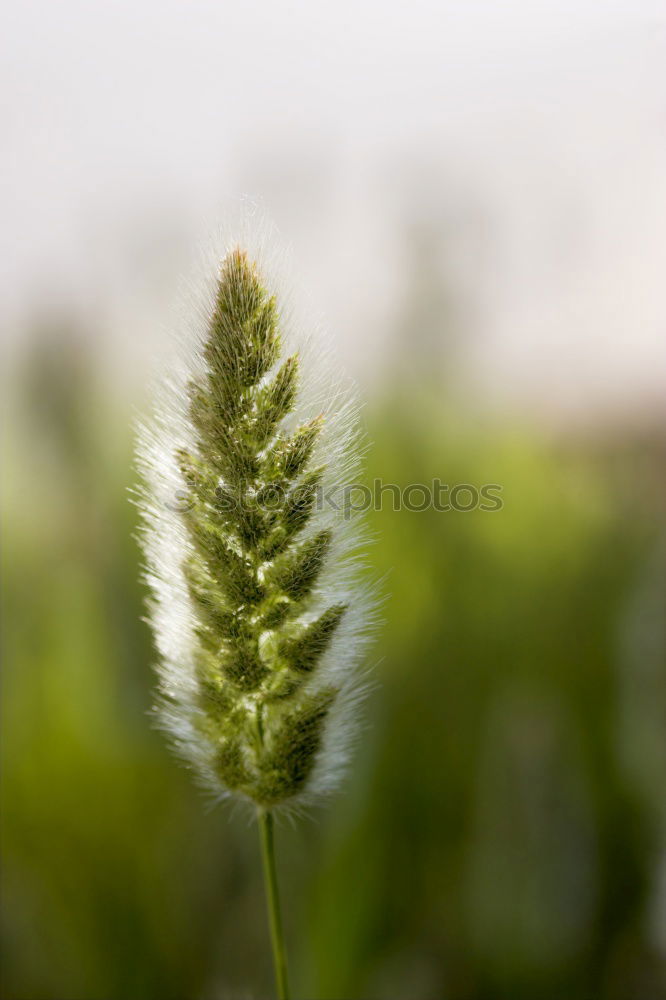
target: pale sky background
<point>530,137</point>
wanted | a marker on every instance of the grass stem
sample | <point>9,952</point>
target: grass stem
<point>265,818</point>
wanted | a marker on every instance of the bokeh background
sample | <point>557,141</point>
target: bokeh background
<point>475,197</point>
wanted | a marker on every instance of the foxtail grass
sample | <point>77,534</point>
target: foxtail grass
<point>252,556</point>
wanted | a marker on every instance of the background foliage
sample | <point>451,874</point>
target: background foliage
<point>502,832</point>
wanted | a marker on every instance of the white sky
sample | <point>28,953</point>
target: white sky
<point>126,125</point>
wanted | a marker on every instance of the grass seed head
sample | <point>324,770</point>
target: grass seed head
<point>259,618</point>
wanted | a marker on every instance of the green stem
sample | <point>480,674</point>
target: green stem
<point>265,818</point>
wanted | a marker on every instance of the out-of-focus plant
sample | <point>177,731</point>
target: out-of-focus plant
<point>522,667</point>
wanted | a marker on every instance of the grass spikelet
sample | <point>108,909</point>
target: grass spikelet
<point>258,615</point>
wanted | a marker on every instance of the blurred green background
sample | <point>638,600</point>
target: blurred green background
<point>475,195</point>
<point>502,831</point>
